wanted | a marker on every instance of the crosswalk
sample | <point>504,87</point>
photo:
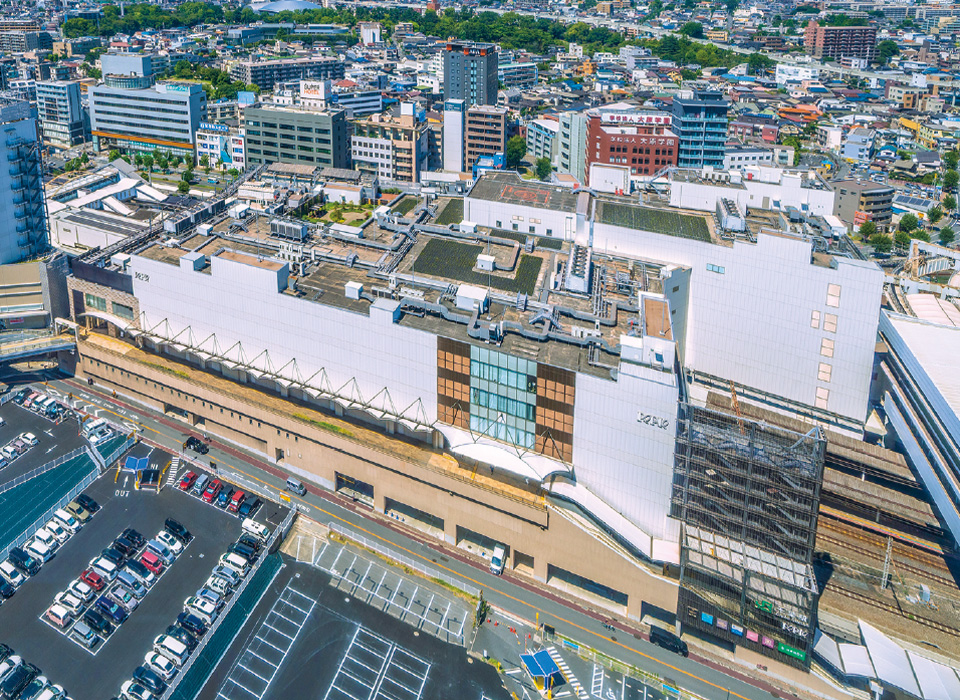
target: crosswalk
<point>172,472</point>
<point>568,674</point>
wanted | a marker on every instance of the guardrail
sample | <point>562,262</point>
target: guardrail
<point>41,469</point>
<point>410,562</point>
<point>39,522</point>
<point>115,455</point>
<point>278,532</point>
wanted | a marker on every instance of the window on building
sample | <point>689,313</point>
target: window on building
<point>95,302</point>
<point>826,347</point>
<point>833,295</point>
<point>823,396</point>
<point>824,372</point>
<point>123,311</point>
<point>815,319</point>
<point>830,323</point>
<point>715,268</point>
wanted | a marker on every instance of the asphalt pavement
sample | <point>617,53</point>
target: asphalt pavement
<point>524,598</point>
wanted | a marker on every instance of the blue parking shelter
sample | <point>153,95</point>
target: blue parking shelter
<point>542,669</point>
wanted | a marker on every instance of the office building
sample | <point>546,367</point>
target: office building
<point>470,73</point>
<point>23,221</point>
<point>165,116</point>
<point>484,133</point>
<point>63,120</point>
<point>22,41</point>
<point>517,75</point>
<point>700,123</point>
<point>266,74</point>
<point>10,24</point>
<point>825,42</point>
<point>859,200</point>
<point>353,99</point>
<point>572,145</point>
<point>223,146</point>
<point>77,47</point>
<point>641,141</point>
<point>391,146</point>
<point>140,64</point>
<point>297,136</point>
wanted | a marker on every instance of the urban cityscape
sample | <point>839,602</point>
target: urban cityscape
<point>479,349</point>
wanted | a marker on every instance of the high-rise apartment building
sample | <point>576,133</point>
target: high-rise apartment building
<point>572,144</point>
<point>484,134</point>
<point>297,136</point>
<point>23,221</point>
<point>266,74</point>
<point>391,146</point>
<point>470,73</point>
<point>62,119</point>
<point>700,123</point>
<point>821,41</point>
<point>165,116</point>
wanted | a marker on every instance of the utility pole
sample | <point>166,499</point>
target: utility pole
<point>886,563</point>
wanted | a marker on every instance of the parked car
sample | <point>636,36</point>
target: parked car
<point>213,595</point>
<point>133,536</point>
<point>84,635</point>
<point>81,590</point>
<point>193,624</point>
<point>93,579</point>
<point>10,574</point>
<point>149,679</point>
<point>125,547</point>
<point>88,503</point>
<point>146,576</point>
<point>254,543</point>
<point>17,680</point>
<point>227,574</point>
<point>111,609</point>
<point>161,665</point>
<point>78,511</point>
<point>29,438</point>
<point>24,562</point>
<point>97,621</point>
<point>49,540</point>
<point>68,600</point>
<point>170,542</point>
<point>177,530</point>
<point>113,555</point>
<point>243,551</point>
<point>6,590</point>
<point>203,609</point>
<point>161,550</point>
<point>212,490</point>
<point>223,498</point>
<point>106,568</point>
<point>196,444</point>
<point>183,636</point>
<point>67,520</point>
<point>39,550</point>
<point>132,583</point>
<point>59,615</point>
<point>187,481</point>
<point>54,527</point>
<point>236,501</point>
<point>124,597</point>
<point>131,690</point>
<point>152,562</point>
<point>37,686</point>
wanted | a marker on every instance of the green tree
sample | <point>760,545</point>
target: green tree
<point>908,223</point>
<point>950,202</point>
<point>205,161</point>
<point>886,50</point>
<point>951,159</point>
<point>543,168</point>
<point>757,63</point>
<point>183,187</point>
<point>162,162</point>
<point>233,172</point>
<point>114,154</point>
<point>902,239</point>
<point>921,236</point>
<point>950,179</point>
<point>934,214</point>
<point>138,159</point>
<point>148,163</point>
<point>85,158</point>
<point>516,150</point>
<point>187,174</point>
<point>881,242</point>
<point>947,235</point>
<point>867,230</point>
<point>692,29</point>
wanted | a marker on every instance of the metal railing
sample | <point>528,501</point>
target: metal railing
<point>225,613</point>
<point>115,455</point>
<point>410,562</point>
<point>43,519</point>
<point>41,469</point>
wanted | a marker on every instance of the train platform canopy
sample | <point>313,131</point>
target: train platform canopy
<point>883,659</point>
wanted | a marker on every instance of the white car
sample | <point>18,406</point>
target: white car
<point>104,567</point>
<point>67,520</point>
<point>39,550</point>
<point>171,542</point>
<point>68,600</point>
<point>161,665</point>
<point>10,663</point>
<point>48,538</point>
<point>29,438</point>
<point>227,574</point>
<point>83,591</point>
<point>131,690</point>
<point>57,530</point>
<point>218,585</point>
<point>10,574</point>
<point>203,609</point>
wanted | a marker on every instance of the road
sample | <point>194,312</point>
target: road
<point>519,597</point>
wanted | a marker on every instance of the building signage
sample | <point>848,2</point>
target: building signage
<point>655,421</point>
<point>177,88</point>
<point>790,651</point>
<point>634,118</point>
<point>143,277</point>
<point>209,126</point>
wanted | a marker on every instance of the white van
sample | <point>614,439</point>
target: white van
<point>67,520</point>
<point>173,649</point>
<point>10,574</point>
<point>104,567</point>
<point>92,426</point>
<point>235,562</point>
<point>497,560</point>
<point>252,527</point>
<point>59,615</point>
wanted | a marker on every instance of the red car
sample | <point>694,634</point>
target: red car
<point>93,579</point>
<point>238,498</point>
<point>212,490</point>
<point>152,562</point>
<point>187,481</point>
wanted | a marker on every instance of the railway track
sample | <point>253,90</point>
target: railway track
<point>898,564</point>
<point>894,609</point>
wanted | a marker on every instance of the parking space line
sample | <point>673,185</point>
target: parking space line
<point>253,653</point>
<point>242,687</point>
<point>267,624</point>
<point>261,639</point>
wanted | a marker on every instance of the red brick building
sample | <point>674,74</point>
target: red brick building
<point>821,41</point>
<point>645,143</point>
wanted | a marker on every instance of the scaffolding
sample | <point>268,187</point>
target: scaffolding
<point>748,496</point>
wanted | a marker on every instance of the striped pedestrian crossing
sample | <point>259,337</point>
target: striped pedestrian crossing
<point>568,674</point>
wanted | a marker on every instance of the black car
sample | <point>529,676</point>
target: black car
<point>181,633</point>
<point>133,536</point>
<point>139,570</point>
<point>97,622</point>
<point>5,652</point>
<point>6,590</point>
<point>88,503</point>
<point>193,624</point>
<point>24,563</point>
<point>196,445</point>
<point>125,546</point>
<point>17,680</point>
<point>111,554</point>
<point>223,498</point>
<point>244,551</point>
<point>250,541</point>
<point>177,530</point>
<point>147,678</point>
<point>248,507</point>
<point>19,397</point>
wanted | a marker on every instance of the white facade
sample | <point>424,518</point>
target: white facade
<point>454,119</point>
<point>224,147</point>
<point>787,73</point>
<point>740,158</point>
<point>378,152</point>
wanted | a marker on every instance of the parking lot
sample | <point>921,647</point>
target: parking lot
<point>309,639</point>
<point>89,677</point>
<point>53,440</point>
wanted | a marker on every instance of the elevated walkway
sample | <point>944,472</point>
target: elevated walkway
<point>19,345</point>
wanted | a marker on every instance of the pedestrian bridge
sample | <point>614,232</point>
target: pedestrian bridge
<point>21,345</point>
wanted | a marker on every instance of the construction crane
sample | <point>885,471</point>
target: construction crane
<point>736,408</point>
